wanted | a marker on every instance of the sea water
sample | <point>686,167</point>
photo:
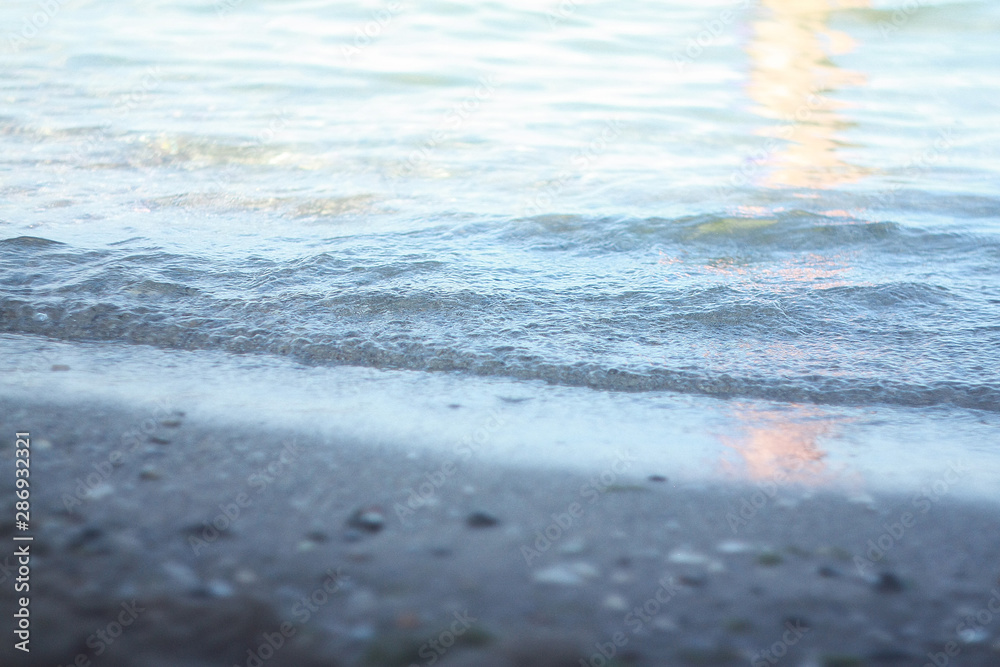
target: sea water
<point>737,239</point>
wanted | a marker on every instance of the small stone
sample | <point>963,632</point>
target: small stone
<point>60,367</point>
<point>973,635</point>
<point>664,624</point>
<point>621,577</point>
<point>90,539</point>
<point>566,574</point>
<point>361,602</point>
<point>693,580</point>
<point>158,441</point>
<point>352,535</point>
<point>887,582</point>
<point>245,576</point>
<point>733,547</point>
<point>616,602</point>
<point>217,588</point>
<point>149,473</point>
<point>657,478</point>
<point>827,571</point>
<point>573,546</point>
<point>739,626</point>
<point>559,575</point>
<point>101,490</point>
<point>687,557</point>
<point>769,559</point>
<point>408,620</point>
<point>368,519</point>
<point>170,423</point>
<point>362,632</point>
<point>182,575</point>
<point>481,520</point>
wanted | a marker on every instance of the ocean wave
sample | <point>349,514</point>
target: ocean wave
<point>780,323</point>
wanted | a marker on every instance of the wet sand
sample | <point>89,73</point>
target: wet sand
<point>319,556</point>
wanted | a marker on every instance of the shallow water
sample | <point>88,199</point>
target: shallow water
<point>761,220</point>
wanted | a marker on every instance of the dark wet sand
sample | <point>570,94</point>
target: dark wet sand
<point>651,571</point>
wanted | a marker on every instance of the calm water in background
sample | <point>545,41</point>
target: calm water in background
<point>750,237</point>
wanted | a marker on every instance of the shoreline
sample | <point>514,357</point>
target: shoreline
<point>232,543</point>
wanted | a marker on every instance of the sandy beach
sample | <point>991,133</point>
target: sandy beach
<point>163,541</point>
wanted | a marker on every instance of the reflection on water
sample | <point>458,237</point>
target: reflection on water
<point>791,78</point>
<point>781,446</point>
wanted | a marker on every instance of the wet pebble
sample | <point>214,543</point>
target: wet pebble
<point>733,547</point>
<point>657,478</point>
<point>827,571</point>
<point>887,582</point>
<point>245,576</point>
<point>973,635</point>
<point>769,559</point>
<point>565,574</point>
<point>572,546</point>
<point>182,575</point>
<point>60,367</point>
<point>615,602</point>
<point>90,539</point>
<point>693,580</point>
<point>481,520</point>
<point>368,519</point>
<point>361,602</point>
<point>687,557</point>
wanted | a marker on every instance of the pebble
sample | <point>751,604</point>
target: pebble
<point>828,571</point>
<point>408,620</point>
<point>360,602</point>
<point>733,547</point>
<point>664,624</point>
<point>657,478</point>
<point>245,576</point>
<point>60,367</point>
<point>621,577</point>
<point>573,546</point>
<point>616,602</point>
<point>565,574</point>
<point>362,632</point>
<point>217,588</point>
<point>182,575</point>
<point>687,557</point>
<point>481,520</point>
<point>769,559</point>
<point>693,580</point>
<point>149,473</point>
<point>973,635</point>
<point>887,582</point>
<point>90,539</point>
<point>368,519</point>
<point>101,490</point>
